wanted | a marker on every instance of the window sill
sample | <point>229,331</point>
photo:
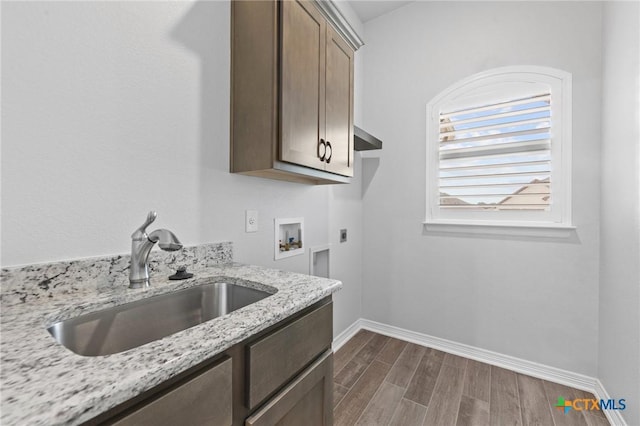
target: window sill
<point>543,230</point>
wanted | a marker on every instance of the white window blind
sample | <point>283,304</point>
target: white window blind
<point>499,150</point>
<point>497,156</point>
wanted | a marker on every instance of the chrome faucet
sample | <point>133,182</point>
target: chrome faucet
<point>141,245</point>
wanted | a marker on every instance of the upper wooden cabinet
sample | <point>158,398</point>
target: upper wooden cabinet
<point>291,93</point>
<point>339,104</point>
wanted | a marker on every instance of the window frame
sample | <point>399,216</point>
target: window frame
<point>490,86</point>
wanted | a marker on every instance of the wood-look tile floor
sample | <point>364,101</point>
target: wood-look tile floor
<point>379,380</point>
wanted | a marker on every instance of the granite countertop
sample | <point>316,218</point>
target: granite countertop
<point>43,383</point>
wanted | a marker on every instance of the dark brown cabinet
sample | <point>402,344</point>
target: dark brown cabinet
<point>277,357</point>
<point>302,83</point>
<point>282,376</point>
<point>203,400</point>
<point>339,104</point>
<point>308,400</point>
<point>292,93</point>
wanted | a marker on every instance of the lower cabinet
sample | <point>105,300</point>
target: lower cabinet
<point>282,376</point>
<point>308,400</point>
<point>203,400</point>
<point>274,359</point>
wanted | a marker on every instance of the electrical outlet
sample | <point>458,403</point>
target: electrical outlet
<point>251,221</point>
<point>343,235</point>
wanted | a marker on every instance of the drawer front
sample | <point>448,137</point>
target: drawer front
<point>202,400</point>
<point>276,358</point>
<point>308,400</point>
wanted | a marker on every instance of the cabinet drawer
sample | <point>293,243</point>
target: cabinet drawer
<point>308,400</point>
<point>279,356</point>
<point>203,400</point>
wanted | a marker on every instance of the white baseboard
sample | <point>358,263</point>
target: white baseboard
<point>614,417</point>
<point>534,369</point>
<point>347,334</point>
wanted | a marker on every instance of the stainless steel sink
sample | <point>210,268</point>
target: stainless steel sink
<point>133,324</point>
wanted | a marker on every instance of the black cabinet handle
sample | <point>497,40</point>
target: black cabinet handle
<point>328,160</point>
<point>324,149</point>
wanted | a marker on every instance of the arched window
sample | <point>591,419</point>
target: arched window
<point>499,150</point>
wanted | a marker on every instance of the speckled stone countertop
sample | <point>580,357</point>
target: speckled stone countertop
<point>43,383</point>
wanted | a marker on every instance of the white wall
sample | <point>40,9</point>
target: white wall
<point>619,344</point>
<point>345,212</point>
<point>111,109</point>
<point>533,299</point>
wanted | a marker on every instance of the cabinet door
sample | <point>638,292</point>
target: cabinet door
<point>308,400</point>
<point>339,104</point>
<point>203,400</point>
<point>302,78</point>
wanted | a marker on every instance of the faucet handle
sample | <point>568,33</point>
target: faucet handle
<point>138,233</point>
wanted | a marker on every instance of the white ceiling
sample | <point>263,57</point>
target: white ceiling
<point>368,10</point>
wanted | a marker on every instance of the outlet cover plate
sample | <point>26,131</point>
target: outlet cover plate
<point>251,221</point>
